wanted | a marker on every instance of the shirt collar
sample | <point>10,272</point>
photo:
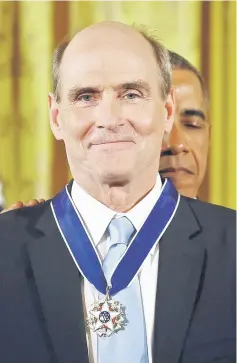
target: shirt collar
<point>139,213</point>
<point>97,216</point>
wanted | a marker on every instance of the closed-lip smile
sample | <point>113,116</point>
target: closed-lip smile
<point>175,170</point>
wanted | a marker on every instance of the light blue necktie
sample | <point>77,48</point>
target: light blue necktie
<point>128,345</point>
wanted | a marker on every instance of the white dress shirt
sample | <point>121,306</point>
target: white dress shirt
<point>96,217</point>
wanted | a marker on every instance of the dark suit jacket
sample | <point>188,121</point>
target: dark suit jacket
<point>41,314</point>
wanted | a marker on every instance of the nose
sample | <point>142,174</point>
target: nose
<point>175,142</point>
<point>107,114</point>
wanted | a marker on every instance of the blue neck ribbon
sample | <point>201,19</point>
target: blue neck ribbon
<point>82,249</point>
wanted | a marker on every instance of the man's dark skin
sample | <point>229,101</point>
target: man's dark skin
<point>185,149</point>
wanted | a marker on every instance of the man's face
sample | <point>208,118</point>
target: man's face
<point>111,116</point>
<point>185,150</point>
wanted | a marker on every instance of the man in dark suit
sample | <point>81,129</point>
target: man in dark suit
<point>178,294</point>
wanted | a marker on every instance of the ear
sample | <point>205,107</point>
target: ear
<point>54,116</point>
<point>170,111</point>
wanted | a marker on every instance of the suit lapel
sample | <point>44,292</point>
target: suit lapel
<point>181,260</point>
<point>59,287</point>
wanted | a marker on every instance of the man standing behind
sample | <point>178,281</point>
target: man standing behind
<point>185,149</point>
<point>94,250</point>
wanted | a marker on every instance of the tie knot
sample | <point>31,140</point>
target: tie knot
<point>120,230</point>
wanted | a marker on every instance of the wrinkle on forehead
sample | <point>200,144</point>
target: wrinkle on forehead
<point>108,51</point>
<point>188,98</point>
<point>187,88</point>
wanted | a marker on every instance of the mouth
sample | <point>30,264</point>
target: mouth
<point>109,142</point>
<point>118,144</point>
<point>172,171</point>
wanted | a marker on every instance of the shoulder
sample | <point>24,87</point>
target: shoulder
<point>217,223</point>
<point>14,223</point>
<point>211,213</point>
<point>26,213</point>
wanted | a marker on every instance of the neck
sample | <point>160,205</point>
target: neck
<point>120,196</point>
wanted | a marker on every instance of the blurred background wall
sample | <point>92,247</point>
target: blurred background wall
<point>32,163</point>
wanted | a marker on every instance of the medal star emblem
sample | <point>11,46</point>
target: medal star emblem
<point>105,317</point>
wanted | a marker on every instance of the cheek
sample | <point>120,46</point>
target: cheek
<point>144,119</point>
<point>200,151</point>
<point>77,124</point>
<point>201,143</point>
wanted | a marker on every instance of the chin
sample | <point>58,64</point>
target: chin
<point>114,175</point>
<point>186,188</point>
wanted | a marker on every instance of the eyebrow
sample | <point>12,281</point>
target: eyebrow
<point>135,85</point>
<point>194,112</point>
<point>138,85</point>
<point>77,91</point>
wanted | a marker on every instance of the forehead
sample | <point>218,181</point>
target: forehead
<point>188,89</point>
<point>107,63</point>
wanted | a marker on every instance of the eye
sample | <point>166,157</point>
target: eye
<point>193,123</point>
<point>131,96</point>
<point>85,98</point>
<point>192,126</point>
